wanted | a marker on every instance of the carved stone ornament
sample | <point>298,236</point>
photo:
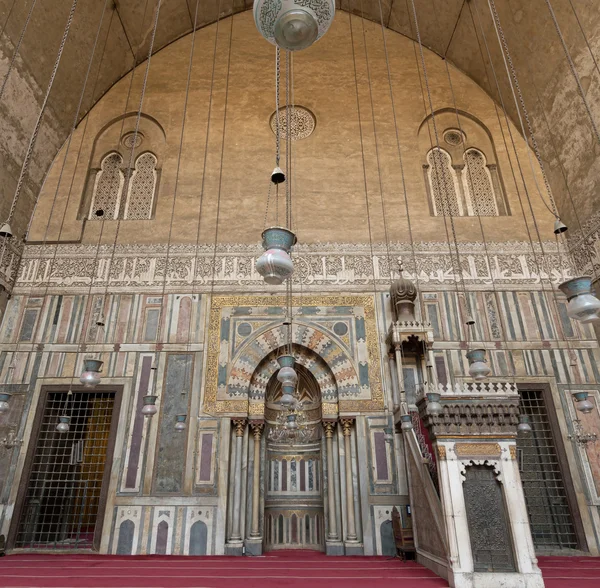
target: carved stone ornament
<point>257,429</point>
<point>513,451</point>
<point>240,427</point>
<point>347,426</point>
<point>403,293</point>
<point>318,266</point>
<point>441,450</point>
<point>329,428</point>
<point>477,449</point>
<point>473,417</point>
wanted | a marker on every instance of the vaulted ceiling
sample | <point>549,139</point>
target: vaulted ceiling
<point>460,30</point>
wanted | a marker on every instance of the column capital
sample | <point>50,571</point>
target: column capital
<point>257,429</point>
<point>329,428</point>
<point>347,425</point>
<point>240,426</point>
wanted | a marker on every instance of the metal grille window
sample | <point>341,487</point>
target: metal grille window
<point>545,493</point>
<point>62,498</point>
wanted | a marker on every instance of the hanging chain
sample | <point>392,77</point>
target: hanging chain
<point>288,141</point>
<point>38,123</point>
<point>506,55</point>
<point>17,47</point>
<point>277,125</point>
<point>448,211</point>
<point>573,69</point>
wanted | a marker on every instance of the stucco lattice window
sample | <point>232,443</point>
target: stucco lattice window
<point>443,184</point>
<point>479,188</point>
<point>107,188</point>
<point>140,196</point>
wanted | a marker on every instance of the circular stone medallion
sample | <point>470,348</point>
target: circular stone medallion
<point>453,137</point>
<point>302,122</point>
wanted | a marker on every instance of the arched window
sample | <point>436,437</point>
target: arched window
<point>443,184</point>
<point>108,187</point>
<point>478,185</point>
<point>142,186</point>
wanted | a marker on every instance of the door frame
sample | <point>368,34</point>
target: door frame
<point>32,445</point>
<point>563,461</point>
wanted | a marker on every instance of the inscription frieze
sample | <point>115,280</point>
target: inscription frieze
<point>318,266</point>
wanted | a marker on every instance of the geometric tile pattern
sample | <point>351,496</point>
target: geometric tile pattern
<point>306,338</point>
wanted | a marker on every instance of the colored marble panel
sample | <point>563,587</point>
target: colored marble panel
<point>206,457</point>
<point>125,541</point>
<point>151,327</point>
<point>29,319</point>
<point>138,426</point>
<point>198,538</point>
<point>388,543</point>
<point>170,454</point>
<point>381,461</point>
<point>162,534</point>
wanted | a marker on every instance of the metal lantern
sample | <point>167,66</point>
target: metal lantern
<point>4,401</point>
<point>90,376</point>
<point>291,423</point>
<point>149,407</point>
<point>180,422</point>
<point>582,305</point>
<point>582,403</point>
<point>406,422</point>
<point>63,424</point>
<point>6,231</point>
<point>287,374</point>
<point>523,428</point>
<point>287,399</point>
<point>479,370</point>
<point>433,403</point>
<point>293,24</point>
<point>275,264</point>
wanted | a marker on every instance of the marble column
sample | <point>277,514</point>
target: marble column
<point>257,429</point>
<point>351,524</point>
<point>332,535</point>
<point>400,374</point>
<point>240,427</point>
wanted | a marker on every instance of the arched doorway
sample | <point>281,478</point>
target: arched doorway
<point>294,476</point>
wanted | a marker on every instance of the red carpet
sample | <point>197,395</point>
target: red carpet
<point>286,569</point>
<point>289,569</point>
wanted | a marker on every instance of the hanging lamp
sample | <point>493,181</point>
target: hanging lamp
<point>479,370</point>
<point>63,424</point>
<point>180,422</point>
<point>5,401</point>
<point>90,377</point>
<point>406,422</point>
<point>582,402</point>
<point>433,403</point>
<point>291,423</point>
<point>6,231</point>
<point>293,24</point>
<point>582,305</point>
<point>275,265</point>
<point>287,374</point>
<point>149,408</point>
<point>523,428</point>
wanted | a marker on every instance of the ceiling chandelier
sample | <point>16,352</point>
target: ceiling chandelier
<point>293,24</point>
<point>291,426</point>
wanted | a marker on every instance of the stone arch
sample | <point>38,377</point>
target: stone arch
<point>343,370</point>
<point>304,356</point>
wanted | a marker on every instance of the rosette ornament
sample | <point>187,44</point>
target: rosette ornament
<point>582,305</point>
<point>275,264</point>
<point>293,25</point>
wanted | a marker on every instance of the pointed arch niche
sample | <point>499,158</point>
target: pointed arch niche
<point>461,175</point>
<point>112,191</point>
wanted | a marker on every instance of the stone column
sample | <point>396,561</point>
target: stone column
<point>332,535</point>
<point>240,427</point>
<point>351,526</point>
<point>257,429</point>
<point>394,377</point>
<point>400,373</point>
